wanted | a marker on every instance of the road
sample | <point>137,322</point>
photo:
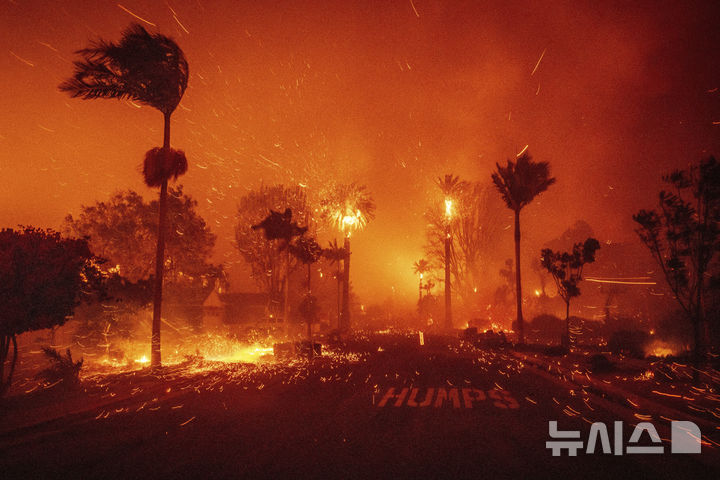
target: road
<point>451,413</point>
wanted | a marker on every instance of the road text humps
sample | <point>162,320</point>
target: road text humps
<point>441,397</point>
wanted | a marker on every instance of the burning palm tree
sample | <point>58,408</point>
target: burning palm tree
<point>348,207</point>
<point>451,187</point>
<point>421,267</point>
<point>150,69</point>
<point>519,183</point>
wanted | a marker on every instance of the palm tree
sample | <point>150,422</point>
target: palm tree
<point>451,187</point>
<point>519,183</point>
<point>348,207</point>
<point>335,253</point>
<point>421,267</point>
<point>150,69</point>
<point>307,250</point>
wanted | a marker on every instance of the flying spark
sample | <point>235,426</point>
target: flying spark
<point>136,16</point>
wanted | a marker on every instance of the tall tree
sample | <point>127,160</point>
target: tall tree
<point>307,251</point>
<point>566,269</point>
<point>42,279</point>
<point>150,69</point>
<point>451,187</point>
<point>270,266</point>
<point>519,183</point>
<point>336,254</point>
<point>475,234</point>
<point>684,238</point>
<point>347,207</point>
<point>420,268</point>
<point>123,230</point>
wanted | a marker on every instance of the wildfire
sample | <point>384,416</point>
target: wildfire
<point>448,208</point>
<point>660,349</point>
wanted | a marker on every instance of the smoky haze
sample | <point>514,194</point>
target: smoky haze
<point>390,94</point>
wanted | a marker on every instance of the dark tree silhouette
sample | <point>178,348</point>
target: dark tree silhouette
<point>566,269</point>
<point>269,265</point>
<point>420,268</point>
<point>336,254</point>
<point>519,183</point>
<point>42,279</point>
<point>684,238</point>
<point>150,69</point>
<point>280,226</point>
<point>307,251</point>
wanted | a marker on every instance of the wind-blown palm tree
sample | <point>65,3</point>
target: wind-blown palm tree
<point>519,183</point>
<point>451,186</point>
<point>150,69</point>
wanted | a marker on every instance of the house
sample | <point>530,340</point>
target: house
<point>222,310</point>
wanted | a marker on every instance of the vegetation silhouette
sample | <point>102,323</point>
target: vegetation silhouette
<point>683,236</point>
<point>519,183</point>
<point>268,259</point>
<point>150,69</point>
<point>566,269</point>
<point>43,277</point>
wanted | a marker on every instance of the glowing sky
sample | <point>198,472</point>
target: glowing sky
<point>387,93</point>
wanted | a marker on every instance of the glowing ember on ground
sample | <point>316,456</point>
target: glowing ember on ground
<point>660,349</point>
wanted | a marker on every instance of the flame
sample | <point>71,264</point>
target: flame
<point>660,349</point>
<point>143,360</point>
<point>448,208</point>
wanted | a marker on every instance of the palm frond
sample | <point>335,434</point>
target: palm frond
<point>148,68</point>
<point>521,181</point>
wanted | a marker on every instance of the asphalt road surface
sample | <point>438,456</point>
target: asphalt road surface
<point>451,413</point>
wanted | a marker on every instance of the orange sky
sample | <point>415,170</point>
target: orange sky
<point>387,93</point>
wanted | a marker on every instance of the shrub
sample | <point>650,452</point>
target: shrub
<point>62,368</point>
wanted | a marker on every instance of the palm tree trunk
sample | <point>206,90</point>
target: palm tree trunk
<point>309,320</point>
<point>518,283</point>
<point>567,324</point>
<point>155,357</point>
<point>345,315</point>
<point>286,296</point>
<point>339,295</point>
<point>448,299</point>
<point>4,350</point>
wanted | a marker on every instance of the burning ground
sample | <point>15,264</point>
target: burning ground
<point>328,419</point>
